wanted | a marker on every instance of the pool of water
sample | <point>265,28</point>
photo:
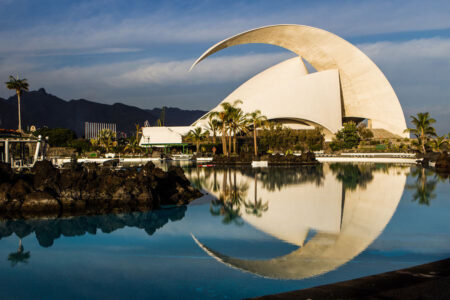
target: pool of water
<point>255,232</point>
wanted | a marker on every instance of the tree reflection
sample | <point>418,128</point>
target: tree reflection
<point>353,176</point>
<point>257,207</point>
<point>47,231</point>
<point>424,186</point>
<point>277,178</point>
<point>231,197</point>
<point>20,256</point>
<point>197,181</point>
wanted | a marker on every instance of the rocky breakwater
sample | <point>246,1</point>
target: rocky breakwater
<point>443,163</point>
<point>90,189</point>
<point>307,158</point>
<point>242,159</point>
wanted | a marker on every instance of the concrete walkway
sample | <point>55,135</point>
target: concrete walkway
<point>429,281</point>
<point>397,160</point>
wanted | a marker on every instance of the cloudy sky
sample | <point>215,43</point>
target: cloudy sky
<point>139,52</point>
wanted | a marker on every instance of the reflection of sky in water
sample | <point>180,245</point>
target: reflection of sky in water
<point>168,264</point>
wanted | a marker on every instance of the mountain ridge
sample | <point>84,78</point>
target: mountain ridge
<point>40,108</point>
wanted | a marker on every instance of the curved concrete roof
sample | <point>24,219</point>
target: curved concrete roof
<point>366,93</point>
<point>366,213</point>
<point>297,95</point>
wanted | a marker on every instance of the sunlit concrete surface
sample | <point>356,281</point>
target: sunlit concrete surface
<point>163,135</point>
<point>366,93</point>
<point>286,92</point>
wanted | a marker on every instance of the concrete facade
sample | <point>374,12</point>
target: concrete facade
<point>163,135</point>
<point>364,91</point>
<point>287,85</point>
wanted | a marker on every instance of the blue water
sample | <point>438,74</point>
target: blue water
<point>153,255</point>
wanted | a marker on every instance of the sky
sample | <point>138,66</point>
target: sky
<point>139,52</point>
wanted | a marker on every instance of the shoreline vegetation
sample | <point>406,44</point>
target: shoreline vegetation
<point>89,189</point>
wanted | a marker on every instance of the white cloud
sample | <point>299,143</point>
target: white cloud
<point>417,69</point>
<point>141,79</point>
<point>213,70</point>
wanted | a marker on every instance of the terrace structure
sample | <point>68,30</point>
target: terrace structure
<point>19,149</point>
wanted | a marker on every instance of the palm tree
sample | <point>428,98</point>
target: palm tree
<point>256,119</point>
<point>197,135</point>
<point>439,143</point>
<point>423,130</point>
<point>18,85</point>
<point>221,123</point>
<point>133,145</point>
<point>213,125</point>
<point>106,139</point>
<point>238,123</point>
<point>231,113</point>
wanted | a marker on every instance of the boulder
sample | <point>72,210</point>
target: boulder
<point>45,175</point>
<point>40,202</point>
<point>6,173</point>
<point>443,163</point>
<point>5,187</point>
<point>20,189</point>
<point>92,189</point>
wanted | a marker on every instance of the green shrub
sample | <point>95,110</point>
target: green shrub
<point>346,138</point>
<point>57,137</point>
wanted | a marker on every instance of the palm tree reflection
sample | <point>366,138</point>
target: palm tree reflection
<point>353,176</point>
<point>231,197</point>
<point>19,256</point>
<point>278,178</point>
<point>423,187</point>
<point>257,207</point>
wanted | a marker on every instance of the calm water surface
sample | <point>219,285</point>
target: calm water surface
<point>255,232</point>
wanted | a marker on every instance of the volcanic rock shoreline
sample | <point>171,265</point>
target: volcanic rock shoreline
<point>90,189</point>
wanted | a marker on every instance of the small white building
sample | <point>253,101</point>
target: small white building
<point>163,136</point>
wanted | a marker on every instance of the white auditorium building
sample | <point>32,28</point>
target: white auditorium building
<point>347,85</point>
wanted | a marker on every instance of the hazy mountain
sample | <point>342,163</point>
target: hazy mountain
<point>42,109</point>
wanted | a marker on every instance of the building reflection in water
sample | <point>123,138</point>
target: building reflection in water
<point>331,212</point>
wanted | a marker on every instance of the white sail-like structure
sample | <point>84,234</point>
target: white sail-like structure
<point>347,85</point>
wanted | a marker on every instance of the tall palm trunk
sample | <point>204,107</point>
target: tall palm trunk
<point>229,143</point>
<point>256,188</point>
<point>234,143</point>
<point>18,109</point>
<point>224,141</point>
<point>423,138</point>
<point>197,145</point>
<point>214,137</point>
<point>254,139</point>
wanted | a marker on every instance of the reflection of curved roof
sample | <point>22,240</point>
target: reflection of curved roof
<point>366,213</point>
<point>366,93</point>
<point>297,95</point>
